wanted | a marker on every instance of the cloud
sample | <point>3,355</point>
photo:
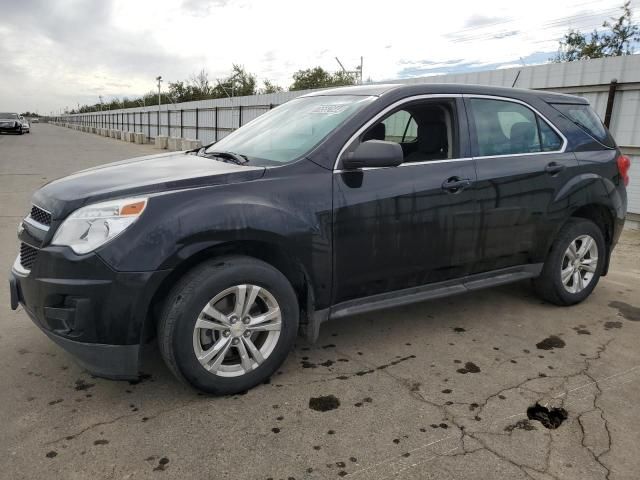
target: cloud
<point>479,20</point>
<point>202,7</point>
<point>77,45</point>
<point>78,49</point>
<point>426,69</point>
<point>501,35</point>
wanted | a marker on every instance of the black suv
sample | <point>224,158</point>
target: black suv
<point>336,203</point>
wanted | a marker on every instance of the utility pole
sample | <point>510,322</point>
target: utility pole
<point>159,79</point>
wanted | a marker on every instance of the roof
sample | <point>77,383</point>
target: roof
<point>446,88</point>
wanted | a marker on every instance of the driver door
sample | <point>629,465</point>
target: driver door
<point>401,227</point>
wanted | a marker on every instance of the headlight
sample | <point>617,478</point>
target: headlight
<point>94,225</point>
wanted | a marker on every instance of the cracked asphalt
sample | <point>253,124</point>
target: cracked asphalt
<point>438,390</point>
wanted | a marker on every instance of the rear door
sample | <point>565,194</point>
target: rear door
<point>521,165</point>
<point>406,226</point>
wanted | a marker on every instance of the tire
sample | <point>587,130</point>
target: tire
<point>550,285</point>
<point>181,342</point>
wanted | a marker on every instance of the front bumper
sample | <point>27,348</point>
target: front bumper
<point>95,313</point>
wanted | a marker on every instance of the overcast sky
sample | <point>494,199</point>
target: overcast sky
<point>58,53</point>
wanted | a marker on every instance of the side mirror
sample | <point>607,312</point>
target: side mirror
<point>374,153</point>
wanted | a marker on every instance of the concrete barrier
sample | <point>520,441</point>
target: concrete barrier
<point>174,143</point>
<point>127,137</point>
<point>161,142</point>
<point>139,137</point>
<point>190,144</point>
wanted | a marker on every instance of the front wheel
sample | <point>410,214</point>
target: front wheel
<point>228,325</point>
<point>574,264</point>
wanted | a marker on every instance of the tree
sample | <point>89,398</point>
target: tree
<point>618,38</point>
<point>342,78</point>
<point>318,77</point>
<point>180,91</point>
<point>199,87</point>
<point>623,33</point>
<point>238,84</point>
<point>270,87</point>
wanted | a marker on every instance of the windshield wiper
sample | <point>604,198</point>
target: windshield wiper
<point>199,150</point>
<point>236,158</point>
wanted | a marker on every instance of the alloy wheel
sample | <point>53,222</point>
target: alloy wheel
<point>579,263</point>
<point>237,330</point>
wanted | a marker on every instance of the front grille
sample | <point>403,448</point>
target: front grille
<point>40,215</point>
<point>27,255</point>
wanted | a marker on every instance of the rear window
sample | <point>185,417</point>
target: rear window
<point>584,117</point>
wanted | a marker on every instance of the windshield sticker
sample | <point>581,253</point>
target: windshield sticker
<point>329,109</point>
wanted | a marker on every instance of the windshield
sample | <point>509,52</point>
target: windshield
<point>289,131</point>
<point>9,115</point>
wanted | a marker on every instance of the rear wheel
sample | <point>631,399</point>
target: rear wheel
<point>574,264</point>
<point>228,325</point>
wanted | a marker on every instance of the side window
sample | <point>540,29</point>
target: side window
<point>550,140</point>
<point>426,130</point>
<point>400,127</point>
<point>508,128</point>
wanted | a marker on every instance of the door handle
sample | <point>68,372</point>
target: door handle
<point>553,168</point>
<point>455,184</point>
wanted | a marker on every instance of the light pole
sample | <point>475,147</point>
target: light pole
<point>159,79</point>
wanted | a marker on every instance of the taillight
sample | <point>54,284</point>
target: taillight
<point>624,164</point>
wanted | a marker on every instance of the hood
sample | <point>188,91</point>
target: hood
<point>138,176</point>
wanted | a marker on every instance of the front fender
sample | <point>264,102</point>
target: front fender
<point>290,211</point>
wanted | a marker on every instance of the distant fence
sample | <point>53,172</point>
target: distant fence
<point>208,124</point>
<point>204,120</point>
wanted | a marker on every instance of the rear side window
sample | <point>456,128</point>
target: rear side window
<point>584,116</point>
<point>509,128</point>
<point>549,139</point>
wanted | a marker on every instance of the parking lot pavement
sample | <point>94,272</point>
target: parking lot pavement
<point>436,390</point>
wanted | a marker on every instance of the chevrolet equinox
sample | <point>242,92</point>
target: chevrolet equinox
<point>336,203</point>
